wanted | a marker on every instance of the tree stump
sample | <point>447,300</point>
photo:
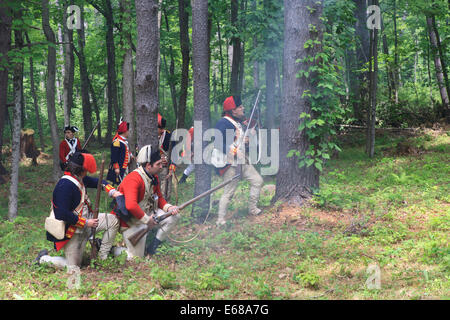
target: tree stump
<point>27,146</point>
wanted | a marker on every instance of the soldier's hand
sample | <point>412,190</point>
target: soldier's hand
<point>92,223</point>
<point>174,210</point>
<point>151,223</point>
<point>117,171</point>
<point>117,194</point>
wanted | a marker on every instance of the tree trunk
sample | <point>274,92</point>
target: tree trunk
<point>171,77</point>
<point>111,61</point>
<point>35,99</point>
<point>373,81</point>
<point>147,58</point>
<point>222,85</point>
<point>85,101</point>
<point>200,63</point>
<point>50,87</point>
<point>396,58</point>
<point>69,68</point>
<point>438,68</point>
<point>15,160</point>
<point>97,111</point>
<point>293,183</point>
<point>184,45</point>
<point>236,61</point>
<point>441,54</point>
<point>362,58</point>
<point>128,78</point>
<point>5,44</point>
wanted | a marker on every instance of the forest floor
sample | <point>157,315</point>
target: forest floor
<point>389,215</point>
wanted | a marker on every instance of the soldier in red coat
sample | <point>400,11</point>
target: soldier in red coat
<point>68,146</point>
<point>144,201</point>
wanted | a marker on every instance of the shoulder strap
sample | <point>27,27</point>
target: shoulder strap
<point>82,190</point>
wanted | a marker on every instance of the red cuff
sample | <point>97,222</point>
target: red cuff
<point>81,223</point>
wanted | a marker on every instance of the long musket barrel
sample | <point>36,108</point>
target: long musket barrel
<point>90,136</point>
<point>134,238</point>
<point>97,205</point>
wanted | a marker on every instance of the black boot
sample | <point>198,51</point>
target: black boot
<point>183,179</point>
<point>151,249</point>
<point>43,252</point>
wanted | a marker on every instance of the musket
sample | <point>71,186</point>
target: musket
<point>97,204</point>
<point>90,136</point>
<point>134,238</point>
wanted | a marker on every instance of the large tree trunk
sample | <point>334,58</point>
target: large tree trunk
<point>441,50</point>
<point>69,68</point>
<point>184,45</point>
<point>362,58</point>
<point>128,77</point>
<point>236,61</point>
<point>200,63</point>
<point>50,87</point>
<point>438,67</point>
<point>293,183</point>
<point>5,44</point>
<point>15,160</point>
<point>111,58</point>
<point>87,109</point>
<point>35,99</point>
<point>171,71</point>
<point>147,60</point>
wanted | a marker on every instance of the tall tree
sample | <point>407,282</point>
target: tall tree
<point>438,66</point>
<point>200,63</point>
<point>5,44</point>
<point>111,58</point>
<point>373,83</point>
<point>183,6</point>
<point>271,65</point>
<point>128,72</point>
<point>50,86</point>
<point>34,96</point>
<point>236,42</point>
<point>85,101</point>
<point>147,70</point>
<point>362,58</point>
<point>293,183</point>
<point>15,160</point>
<point>69,67</point>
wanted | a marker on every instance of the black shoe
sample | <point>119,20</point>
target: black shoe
<point>97,243</point>
<point>43,252</point>
<point>151,249</point>
<point>183,179</point>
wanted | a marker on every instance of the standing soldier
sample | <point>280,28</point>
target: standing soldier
<point>70,203</point>
<point>144,201</point>
<point>68,146</point>
<point>120,154</point>
<point>233,115</point>
<point>164,147</point>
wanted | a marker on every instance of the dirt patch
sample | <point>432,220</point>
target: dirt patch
<point>304,218</point>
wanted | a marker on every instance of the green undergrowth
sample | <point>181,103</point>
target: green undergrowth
<point>392,211</point>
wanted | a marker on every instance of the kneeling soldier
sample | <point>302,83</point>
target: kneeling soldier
<point>144,201</point>
<point>71,204</point>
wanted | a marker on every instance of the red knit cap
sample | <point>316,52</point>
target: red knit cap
<point>229,104</point>
<point>89,163</point>
<point>123,127</point>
